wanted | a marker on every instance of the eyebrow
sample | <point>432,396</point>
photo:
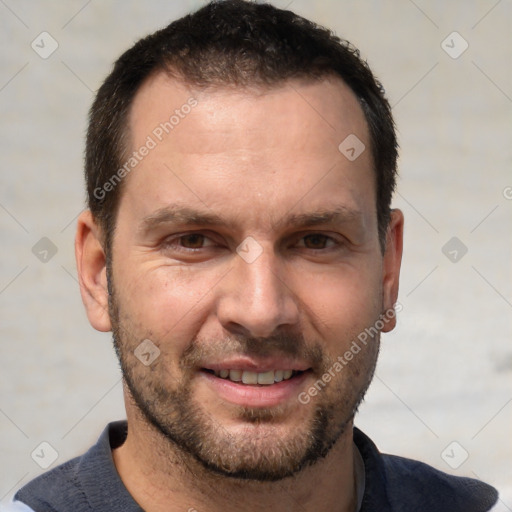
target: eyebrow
<point>340,214</point>
<point>178,215</point>
<point>175,214</point>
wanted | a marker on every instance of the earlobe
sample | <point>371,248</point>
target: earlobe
<point>391,266</point>
<point>92,272</point>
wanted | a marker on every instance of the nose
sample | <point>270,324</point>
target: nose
<point>255,298</point>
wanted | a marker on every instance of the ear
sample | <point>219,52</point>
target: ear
<point>391,265</point>
<point>92,271</point>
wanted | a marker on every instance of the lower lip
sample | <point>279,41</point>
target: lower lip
<point>247,395</point>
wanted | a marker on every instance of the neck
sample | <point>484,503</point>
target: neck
<point>160,477</point>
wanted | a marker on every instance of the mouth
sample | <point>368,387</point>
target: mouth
<point>255,386</point>
<point>253,378</point>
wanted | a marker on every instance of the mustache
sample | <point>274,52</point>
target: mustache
<point>286,345</point>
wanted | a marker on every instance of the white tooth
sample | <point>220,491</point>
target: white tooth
<point>287,374</point>
<point>278,375</point>
<point>224,373</point>
<point>235,375</point>
<point>266,377</point>
<point>249,377</point>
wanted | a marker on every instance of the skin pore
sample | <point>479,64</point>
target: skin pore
<point>246,163</point>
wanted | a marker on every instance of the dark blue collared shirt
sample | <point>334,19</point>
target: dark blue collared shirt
<point>90,483</point>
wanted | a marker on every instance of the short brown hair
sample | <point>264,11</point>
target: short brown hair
<point>232,43</point>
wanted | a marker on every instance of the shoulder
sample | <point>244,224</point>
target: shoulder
<point>404,484</point>
<point>61,482</point>
<point>83,482</point>
<point>414,482</point>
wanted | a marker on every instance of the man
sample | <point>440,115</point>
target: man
<point>241,247</point>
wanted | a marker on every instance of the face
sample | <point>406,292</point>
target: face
<point>246,252</point>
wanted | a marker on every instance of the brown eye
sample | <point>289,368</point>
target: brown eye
<point>192,241</point>
<point>316,241</point>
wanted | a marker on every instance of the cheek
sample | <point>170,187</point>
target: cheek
<point>344,302</point>
<point>166,303</point>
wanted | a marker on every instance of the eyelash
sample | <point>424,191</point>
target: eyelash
<point>175,242</point>
<point>188,249</point>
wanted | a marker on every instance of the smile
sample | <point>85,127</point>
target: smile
<point>266,378</point>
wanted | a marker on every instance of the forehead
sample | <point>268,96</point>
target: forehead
<point>223,147</point>
<point>327,107</point>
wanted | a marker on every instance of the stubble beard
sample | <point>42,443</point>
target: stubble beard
<point>263,450</point>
